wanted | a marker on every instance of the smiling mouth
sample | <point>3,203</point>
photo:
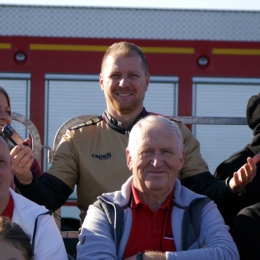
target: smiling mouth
<point>124,95</point>
<point>156,173</point>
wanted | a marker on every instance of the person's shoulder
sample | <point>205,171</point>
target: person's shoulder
<point>178,122</point>
<point>23,204</point>
<point>26,213</point>
<point>184,195</point>
<point>91,122</point>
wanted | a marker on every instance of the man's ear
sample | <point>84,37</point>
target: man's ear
<point>147,81</point>
<point>182,158</point>
<point>129,159</point>
<point>101,81</point>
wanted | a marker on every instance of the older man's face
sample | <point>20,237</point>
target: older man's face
<point>157,159</point>
<point>5,170</point>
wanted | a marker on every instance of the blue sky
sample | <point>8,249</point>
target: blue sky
<point>253,5</point>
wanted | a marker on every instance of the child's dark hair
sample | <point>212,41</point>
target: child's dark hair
<point>15,236</point>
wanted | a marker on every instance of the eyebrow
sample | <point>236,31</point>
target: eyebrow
<point>167,148</point>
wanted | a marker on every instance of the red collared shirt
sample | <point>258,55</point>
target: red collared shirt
<point>8,212</point>
<point>150,230</point>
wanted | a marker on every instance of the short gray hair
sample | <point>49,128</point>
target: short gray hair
<point>154,119</point>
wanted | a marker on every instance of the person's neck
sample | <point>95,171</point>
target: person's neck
<point>154,198</point>
<point>127,119</point>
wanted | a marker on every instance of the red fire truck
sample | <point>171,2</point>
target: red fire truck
<point>202,63</point>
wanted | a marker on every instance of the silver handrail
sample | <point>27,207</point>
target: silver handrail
<point>62,130</point>
<point>36,140</point>
<point>184,119</point>
<point>199,120</point>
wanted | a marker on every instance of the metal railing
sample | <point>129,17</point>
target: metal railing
<point>197,120</point>
<point>37,146</point>
<point>36,140</point>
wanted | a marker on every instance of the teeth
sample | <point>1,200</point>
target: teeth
<point>124,95</point>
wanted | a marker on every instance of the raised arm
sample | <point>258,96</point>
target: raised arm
<point>244,175</point>
<point>50,190</point>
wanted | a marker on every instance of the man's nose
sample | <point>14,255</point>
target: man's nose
<point>157,160</point>
<point>124,82</point>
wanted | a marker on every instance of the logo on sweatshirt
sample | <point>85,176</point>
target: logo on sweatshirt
<point>102,156</point>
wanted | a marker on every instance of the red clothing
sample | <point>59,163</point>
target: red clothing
<point>150,230</point>
<point>35,169</point>
<point>8,212</point>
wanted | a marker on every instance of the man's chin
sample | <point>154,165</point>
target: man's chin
<point>125,107</point>
<point>156,185</point>
<point>125,110</point>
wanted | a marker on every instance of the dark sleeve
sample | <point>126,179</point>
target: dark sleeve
<point>47,190</point>
<point>205,183</point>
<point>35,169</point>
<point>247,232</point>
<point>232,164</point>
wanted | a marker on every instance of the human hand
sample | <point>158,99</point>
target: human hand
<point>150,255</point>
<point>244,175</point>
<point>28,142</point>
<point>22,159</point>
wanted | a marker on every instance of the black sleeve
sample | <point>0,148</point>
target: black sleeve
<point>47,190</point>
<point>233,164</point>
<point>205,183</point>
<point>247,232</point>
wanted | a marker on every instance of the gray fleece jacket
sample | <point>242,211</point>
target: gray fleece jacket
<point>96,240</point>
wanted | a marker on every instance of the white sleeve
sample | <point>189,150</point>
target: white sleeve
<point>48,241</point>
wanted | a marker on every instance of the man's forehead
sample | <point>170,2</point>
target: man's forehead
<point>113,58</point>
<point>152,131</point>
<point>150,127</point>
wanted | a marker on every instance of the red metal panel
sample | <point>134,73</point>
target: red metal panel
<point>183,65</point>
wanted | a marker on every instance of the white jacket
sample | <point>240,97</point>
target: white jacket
<point>48,243</point>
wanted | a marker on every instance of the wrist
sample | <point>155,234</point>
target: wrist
<point>237,191</point>
<point>25,180</point>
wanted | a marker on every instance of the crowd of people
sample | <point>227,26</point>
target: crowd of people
<point>149,189</point>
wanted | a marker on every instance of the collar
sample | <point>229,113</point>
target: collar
<point>8,212</point>
<point>117,125</point>
<point>136,200</point>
